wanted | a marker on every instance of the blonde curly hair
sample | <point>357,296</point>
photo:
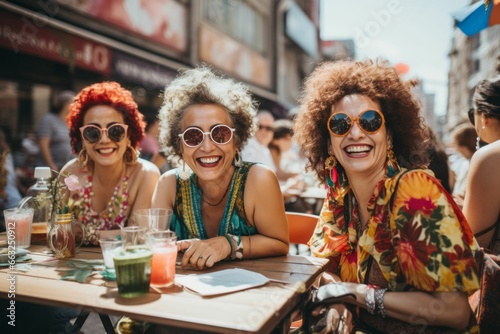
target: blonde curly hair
<point>202,86</point>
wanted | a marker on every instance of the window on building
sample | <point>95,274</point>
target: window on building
<point>239,20</point>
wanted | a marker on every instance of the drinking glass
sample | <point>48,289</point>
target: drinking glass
<point>164,248</point>
<point>19,220</point>
<point>132,263</point>
<point>108,246</point>
<point>154,219</point>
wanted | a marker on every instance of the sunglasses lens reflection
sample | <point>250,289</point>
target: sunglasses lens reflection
<point>370,121</point>
<point>193,137</point>
<point>221,134</point>
<point>116,132</point>
<point>340,124</point>
<point>92,134</point>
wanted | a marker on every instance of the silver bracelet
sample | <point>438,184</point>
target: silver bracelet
<point>379,301</point>
<point>370,299</point>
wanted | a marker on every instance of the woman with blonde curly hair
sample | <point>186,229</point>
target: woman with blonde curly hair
<point>223,208</point>
<point>106,128</point>
<point>401,251</point>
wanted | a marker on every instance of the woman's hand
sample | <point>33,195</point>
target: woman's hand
<point>202,254</point>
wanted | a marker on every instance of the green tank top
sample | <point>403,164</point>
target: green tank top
<point>187,221</point>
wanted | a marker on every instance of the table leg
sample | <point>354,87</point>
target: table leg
<point>106,322</point>
<point>80,320</point>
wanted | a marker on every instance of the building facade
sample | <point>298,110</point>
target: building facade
<point>471,59</point>
<point>52,45</point>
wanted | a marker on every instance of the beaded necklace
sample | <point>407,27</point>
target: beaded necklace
<point>114,214</point>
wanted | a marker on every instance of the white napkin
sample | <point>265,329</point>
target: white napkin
<point>220,282</point>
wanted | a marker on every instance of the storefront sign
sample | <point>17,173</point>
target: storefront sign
<point>233,57</point>
<point>146,74</point>
<point>24,34</point>
<point>162,21</point>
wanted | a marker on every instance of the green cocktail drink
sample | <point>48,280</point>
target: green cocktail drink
<point>133,271</point>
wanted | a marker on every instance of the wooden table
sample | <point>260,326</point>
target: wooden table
<point>259,310</point>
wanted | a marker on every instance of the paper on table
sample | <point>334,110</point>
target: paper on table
<point>220,282</point>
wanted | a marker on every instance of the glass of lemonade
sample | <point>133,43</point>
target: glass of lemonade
<point>164,248</point>
<point>20,220</point>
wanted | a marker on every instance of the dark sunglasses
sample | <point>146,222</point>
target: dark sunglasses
<point>470,113</point>
<point>266,127</point>
<point>370,121</point>
<point>93,133</point>
<point>220,134</point>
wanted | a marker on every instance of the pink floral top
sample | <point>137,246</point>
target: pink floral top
<point>110,219</point>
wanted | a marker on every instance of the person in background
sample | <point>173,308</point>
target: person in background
<point>52,134</point>
<point>290,180</point>
<point>482,193</point>
<point>223,207</point>
<point>257,148</point>
<point>9,194</point>
<point>106,129</point>
<point>439,161</point>
<point>464,146</point>
<point>360,126</point>
<point>150,147</point>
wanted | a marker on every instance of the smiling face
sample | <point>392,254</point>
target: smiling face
<point>105,152</point>
<point>209,161</point>
<point>357,151</point>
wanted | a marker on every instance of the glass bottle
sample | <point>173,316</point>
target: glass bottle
<point>38,196</point>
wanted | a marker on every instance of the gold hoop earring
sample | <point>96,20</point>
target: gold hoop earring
<point>131,156</point>
<point>83,158</point>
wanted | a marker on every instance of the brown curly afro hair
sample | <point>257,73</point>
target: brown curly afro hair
<point>110,94</point>
<point>331,81</point>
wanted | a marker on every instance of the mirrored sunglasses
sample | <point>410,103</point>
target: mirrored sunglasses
<point>93,133</point>
<point>470,113</point>
<point>220,134</point>
<point>370,121</point>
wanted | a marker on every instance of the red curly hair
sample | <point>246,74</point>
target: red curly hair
<point>109,94</point>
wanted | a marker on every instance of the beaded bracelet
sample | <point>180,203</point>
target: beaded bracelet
<point>379,301</point>
<point>229,239</point>
<point>370,299</point>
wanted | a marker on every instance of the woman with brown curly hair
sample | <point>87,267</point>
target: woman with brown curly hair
<point>223,208</point>
<point>106,128</point>
<point>400,249</point>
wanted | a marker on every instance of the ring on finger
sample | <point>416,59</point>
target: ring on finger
<point>200,257</point>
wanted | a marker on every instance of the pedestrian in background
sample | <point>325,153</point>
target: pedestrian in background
<point>482,193</point>
<point>53,134</point>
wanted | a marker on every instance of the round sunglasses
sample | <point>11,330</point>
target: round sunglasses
<point>370,121</point>
<point>93,133</point>
<point>220,134</point>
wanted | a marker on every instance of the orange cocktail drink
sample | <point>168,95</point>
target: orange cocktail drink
<point>164,248</point>
<point>163,266</point>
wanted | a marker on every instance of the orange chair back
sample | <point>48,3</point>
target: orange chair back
<point>301,226</point>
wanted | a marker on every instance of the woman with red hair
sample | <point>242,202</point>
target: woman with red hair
<point>106,129</point>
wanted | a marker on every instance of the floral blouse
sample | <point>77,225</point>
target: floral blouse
<point>423,243</point>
